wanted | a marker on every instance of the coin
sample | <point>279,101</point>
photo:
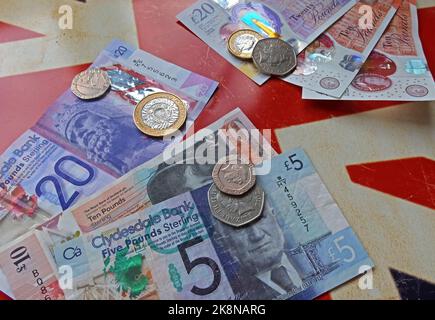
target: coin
<point>160,114</point>
<point>274,56</point>
<point>236,211</point>
<point>90,84</point>
<point>242,42</point>
<point>233,177</point>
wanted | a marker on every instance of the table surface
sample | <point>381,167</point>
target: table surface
<point>27,88</point>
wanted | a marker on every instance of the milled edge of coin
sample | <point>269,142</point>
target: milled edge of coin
<point>137,115</point>
<point>221,186</point>
<point>78,94</point>
<point>235,52</point>
<point>275,74</point>
<point>215,215</point>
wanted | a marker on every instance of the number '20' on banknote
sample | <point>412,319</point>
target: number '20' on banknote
<point>78,147</point>
<point>297,22</point>
<point>183,167</point>
<point>301,247</point>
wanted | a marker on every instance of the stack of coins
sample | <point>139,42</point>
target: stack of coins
<point>271,56</point>
<point>235,198</point>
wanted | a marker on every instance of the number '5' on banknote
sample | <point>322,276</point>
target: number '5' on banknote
<point>297,22</point>
<point>159,179</point>
<point>299,248</point>
<point>78,147</point>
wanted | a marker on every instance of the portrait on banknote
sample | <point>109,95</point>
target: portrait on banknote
<point>268,267</point>
<point>194,168</point>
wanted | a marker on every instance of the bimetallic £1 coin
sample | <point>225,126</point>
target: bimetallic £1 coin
<point>160,114</point>
<point>274,56</point>
<point>233,177</point>
<point>236,211</point>
<point>242,42</point>
<point>90,84</point>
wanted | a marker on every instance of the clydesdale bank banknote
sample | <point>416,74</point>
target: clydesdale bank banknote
<point>299,248</point>
<point>183,167</point>
<point>396,69</point>
<point>297,22</point>
<point>78,147</point>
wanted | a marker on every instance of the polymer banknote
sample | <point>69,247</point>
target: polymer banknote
<point>297,22</point>
<point>397,68</point>
<point>182,167</point>
<point>78,147</point>
<point>301,247</point>
<point>331,62</point>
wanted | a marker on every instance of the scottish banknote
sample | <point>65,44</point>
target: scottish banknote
<point>397,69</point>
<point>183,167</point>
<point>78,147</point>
<point>298,22</point>
<point>330,63</point>
<point>180,168</point>
<point>301,247</point>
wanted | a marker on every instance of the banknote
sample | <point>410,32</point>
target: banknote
<point>301,247</point>
<point>179,169</point>
<point>330,63</point>
<point>78,147</point>
<point>28,270</point>
<point>397,69</point>
<point>185,166</point>
<point>298,22</point>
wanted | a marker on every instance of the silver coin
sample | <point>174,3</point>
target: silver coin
<point>274,56</point>
<point>236,211</point>
<point>90,84</point>
<point>233,177</point>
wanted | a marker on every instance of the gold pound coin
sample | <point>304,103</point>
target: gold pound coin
<point>160,114</point>
<point>90,84</point>
<point>242,42</point>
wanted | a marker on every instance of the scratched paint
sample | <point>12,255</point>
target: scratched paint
<point>93,29</point>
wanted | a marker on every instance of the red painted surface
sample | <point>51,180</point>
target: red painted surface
<point>9,33</point>
<point>411,179</point>
<point>24,98</point>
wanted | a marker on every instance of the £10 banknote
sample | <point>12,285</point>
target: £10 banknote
<point>78,147</point>
<point>300,247</point>
<point>397,69</point>
<point>297,22</point>
<point>330,63</point>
